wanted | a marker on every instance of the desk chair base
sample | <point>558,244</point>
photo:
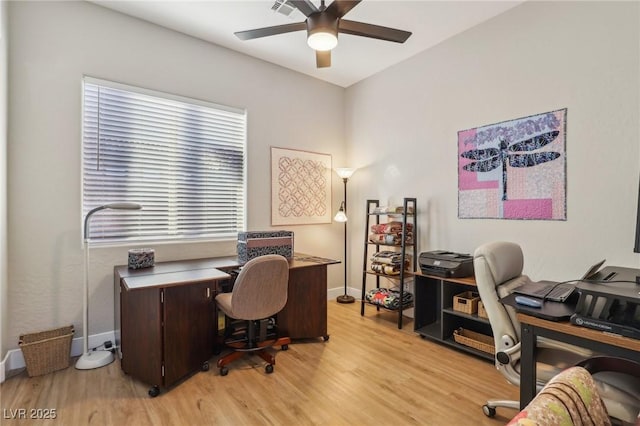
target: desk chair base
<point>247,337</point>
<point>239,350</point>
<point>489,409</point>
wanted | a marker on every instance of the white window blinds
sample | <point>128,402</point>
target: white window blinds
<point>183,160</point>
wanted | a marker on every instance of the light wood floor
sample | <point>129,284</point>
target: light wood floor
<point>369,372</point>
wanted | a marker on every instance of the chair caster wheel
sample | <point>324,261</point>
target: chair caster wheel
<point>224,371</point>
<point>205,366</point>
<point>488,411</point>
<point>285,347</point>
<point>269,368</point>
<point>154,391</point>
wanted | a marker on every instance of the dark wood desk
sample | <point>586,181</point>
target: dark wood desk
<point>533,327</point>
<point>165,315</point>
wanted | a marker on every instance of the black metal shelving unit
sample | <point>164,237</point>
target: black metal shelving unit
<point>409,214</point>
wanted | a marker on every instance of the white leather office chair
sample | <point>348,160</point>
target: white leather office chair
<point>498,270</point>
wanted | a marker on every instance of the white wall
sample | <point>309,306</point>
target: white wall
<point>3,184</point>
<point>401,129</point>
<point>51,46</point>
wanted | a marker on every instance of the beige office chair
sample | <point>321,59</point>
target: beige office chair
<point>498,270</point>
<point>259,293</point>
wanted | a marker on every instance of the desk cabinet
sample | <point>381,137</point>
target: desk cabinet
<point>305,314</point>
<point>435,318</point>
<point>167,325</point>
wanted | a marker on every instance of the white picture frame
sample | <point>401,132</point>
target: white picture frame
<point>300,187</point>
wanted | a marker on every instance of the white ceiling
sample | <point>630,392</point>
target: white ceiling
<point>354,59</point>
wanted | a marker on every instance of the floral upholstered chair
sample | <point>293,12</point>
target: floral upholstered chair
<point>569,398</point>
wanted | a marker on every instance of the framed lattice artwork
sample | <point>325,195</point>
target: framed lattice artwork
<point>300,187</point>
<point>515,169</point>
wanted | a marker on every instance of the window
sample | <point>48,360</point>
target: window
<point>182,159</point>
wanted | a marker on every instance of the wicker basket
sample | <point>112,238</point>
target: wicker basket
<point>482,312</point>
<point>475,340</point>
<point>46,351</point>
<point>466,302</point>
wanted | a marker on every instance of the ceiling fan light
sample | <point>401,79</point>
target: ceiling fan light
<point>322,40</point>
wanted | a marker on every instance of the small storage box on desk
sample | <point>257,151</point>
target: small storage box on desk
<point>258,243</point>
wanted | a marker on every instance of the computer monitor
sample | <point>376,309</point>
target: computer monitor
<point>636,247</point>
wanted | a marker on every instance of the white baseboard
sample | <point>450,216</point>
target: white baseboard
<point>332,293</point>
<point>2,364</point>
<point>14,359</point>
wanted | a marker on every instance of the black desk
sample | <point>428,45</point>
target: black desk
<point>551,321</point>
<point>552,311</point>
<point>564,331</point>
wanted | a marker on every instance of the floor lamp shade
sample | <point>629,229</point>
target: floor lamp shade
<point>341,216</point>
<point>345,173</point>
<point>94,359</point>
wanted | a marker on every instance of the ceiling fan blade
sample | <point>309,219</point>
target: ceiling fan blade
<point>269,31</point>
<point>372,31</point>
<point>339,8</point>
<point>304,6</point>
<point>323,58</point>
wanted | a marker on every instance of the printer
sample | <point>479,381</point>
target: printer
<point>446,264</point>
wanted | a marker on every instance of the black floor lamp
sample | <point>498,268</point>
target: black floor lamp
<point>341,216</point>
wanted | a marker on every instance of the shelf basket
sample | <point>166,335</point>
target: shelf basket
<point>466,302</point>
<point>482,312</point>
<point>46,351</point>
<point>478,341</point>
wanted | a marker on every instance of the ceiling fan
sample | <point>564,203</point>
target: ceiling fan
<point>323,25</point>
